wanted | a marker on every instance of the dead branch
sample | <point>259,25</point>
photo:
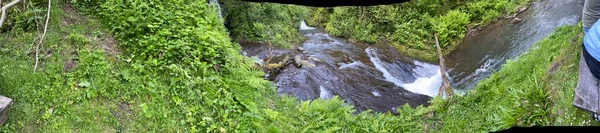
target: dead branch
<point>445,82</point>
<point>3,10</point>
<point>37,48</point>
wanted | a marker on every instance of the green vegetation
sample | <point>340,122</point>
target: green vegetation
<point>410,26</point>
<point>175,70</point>
<point>264,22</point>
<point>318,17</point>
<point>536,89</point>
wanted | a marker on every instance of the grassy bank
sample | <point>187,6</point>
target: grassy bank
<point>534,90</point>
<point>113,75</point>
<point>409,27</point>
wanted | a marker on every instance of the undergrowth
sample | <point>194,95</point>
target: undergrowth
<point>277,24</point>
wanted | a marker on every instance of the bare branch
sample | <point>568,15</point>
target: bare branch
<point>3,10</point>
<point>445,82</point>
<point>37,48</point>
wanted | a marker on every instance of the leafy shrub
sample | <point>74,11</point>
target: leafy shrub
<point>264,22</point>
<point>489,16</point>
<point>479,9</point>
<point>26,20</point>
<point>450,27</point>
<point>407,26</point>
<point>318,17</point>
<point>182,58</point>
<point>161,34</point>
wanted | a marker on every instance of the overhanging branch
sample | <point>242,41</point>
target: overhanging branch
<point>3,10</point>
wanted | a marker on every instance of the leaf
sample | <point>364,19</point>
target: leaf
<point>84,84</point>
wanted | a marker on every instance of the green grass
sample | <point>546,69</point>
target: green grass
<point>105,93</point>
<point>50,99</point>
<point>524,92</point>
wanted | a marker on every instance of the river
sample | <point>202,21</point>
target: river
<point>376,77</point>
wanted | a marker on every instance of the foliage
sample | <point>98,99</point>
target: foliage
<point>25,18</point>
<point>409,26</point>
<point>318,16</point>
<point>449,26</point>
<point>264,22</point>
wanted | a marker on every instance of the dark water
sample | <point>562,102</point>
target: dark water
<point>378,78</point>
<point>480,55</point>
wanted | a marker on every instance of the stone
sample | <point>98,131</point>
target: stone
<point>299,62</point>
<point>300,49</point>
<point>516,20</point>
<point>5,103</point>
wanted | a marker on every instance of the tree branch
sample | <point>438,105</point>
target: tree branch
<point>445,81</point>
<point>3,10</point>
<point>37,48</point>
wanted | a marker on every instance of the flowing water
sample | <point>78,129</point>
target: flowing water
<point>377,77</point>
<point>367,76</point>
<point>480,55</point>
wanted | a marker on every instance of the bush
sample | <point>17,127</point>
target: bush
<point>407,26</point>
<point>182,58</point>
<point>26,20</point>
<point>318,17</point>
<point>162,34</point>
<point>450,27</point>
<point>264,22</point>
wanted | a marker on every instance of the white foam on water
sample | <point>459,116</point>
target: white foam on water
<point>349,65</point>
<point>303,26</point>
<point>377,62</point>
<point>485,67</point>
<point>424,69</point>
<point>429,86</point>
<point>429,77</point>
<point>375,93</point>
<point>324,93</point>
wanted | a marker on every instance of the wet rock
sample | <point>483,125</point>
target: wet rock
<point>300,49</point>
<point>516,20</point>
<point>278,65</point>
<point>521,9</point>
<point>299,62</point>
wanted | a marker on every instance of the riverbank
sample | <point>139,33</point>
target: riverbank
<point>534,90</point>
<point>409,27</point>
<point>88,82</point>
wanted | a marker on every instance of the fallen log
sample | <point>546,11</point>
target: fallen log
<point>445,81</point>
